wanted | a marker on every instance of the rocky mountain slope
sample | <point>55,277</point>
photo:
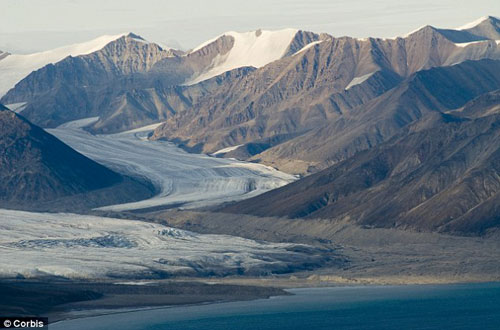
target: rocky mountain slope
<point>85,83</point>
<point>435,90</point>
<point>131,82</point>
<point>37,169</point>
<point>439,174</point>
<point>259,87</point>
<point>318,85</point>
<point>398,132</point>
<point>15,67</point>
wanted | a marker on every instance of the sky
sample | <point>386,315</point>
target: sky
<point>34,25</point>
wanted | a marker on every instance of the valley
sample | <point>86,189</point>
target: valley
<point>182,179</point>
<point>135,175</point>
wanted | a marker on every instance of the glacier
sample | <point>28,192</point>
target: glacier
<point>186,179</point>
<point>90,247</point>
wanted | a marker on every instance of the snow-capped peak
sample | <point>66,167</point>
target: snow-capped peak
<point>14,68</point>
<point>474,23</point>
<point>255,48</point>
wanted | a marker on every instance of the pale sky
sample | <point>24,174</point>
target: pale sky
<point>34,25</point>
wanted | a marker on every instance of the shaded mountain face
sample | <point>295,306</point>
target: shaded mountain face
<point>484,105</point>
<point>440,174</point>
<point>36,167</point>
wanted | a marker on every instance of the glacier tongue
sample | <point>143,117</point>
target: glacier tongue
<point>81,246</point>
<point>190,180</point>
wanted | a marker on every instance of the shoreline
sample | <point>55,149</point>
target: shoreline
<point>99,312</point>
<point>116,297</point>
<point>60,299</point>
<point>91,313</point>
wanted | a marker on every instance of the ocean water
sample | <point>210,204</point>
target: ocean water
<point>457,306</point>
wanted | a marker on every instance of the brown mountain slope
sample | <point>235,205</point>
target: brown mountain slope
<point>487,28</point>
<point>438,89</point>
<point>129,83</point>
<point>318,85</point>
<point>37,168</point>
<point>442,173</point>
<point>79,87</point>
<point>484,105</point>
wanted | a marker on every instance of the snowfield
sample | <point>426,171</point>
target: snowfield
<point>254,48</point>
<point>190,180</point>
<point>89,247</point>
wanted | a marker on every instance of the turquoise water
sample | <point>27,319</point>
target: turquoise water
<point>461,306</point>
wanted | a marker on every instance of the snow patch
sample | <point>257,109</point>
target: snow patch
<point>16,107</point>
<point>80,123</point>
<point>309,45</point>
<point>359,80</point>
<point>465,44</point>
<point>226,150</point>
<point>13,68</point>
<point>255,48</point>
<point>147,128</point>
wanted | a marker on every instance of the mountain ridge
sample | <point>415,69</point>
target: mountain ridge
<point>441,174</point>
<point>176,68</point>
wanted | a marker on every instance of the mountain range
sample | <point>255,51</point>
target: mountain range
<point>399,132</point>
<point>438,174</point>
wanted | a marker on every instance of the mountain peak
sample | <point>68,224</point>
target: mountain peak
<point>479,21</point>
<point>484,28</point>
<point>14,67</point>
<point>254,48</point>
<point>135,36</point>
<point>422,28</point>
